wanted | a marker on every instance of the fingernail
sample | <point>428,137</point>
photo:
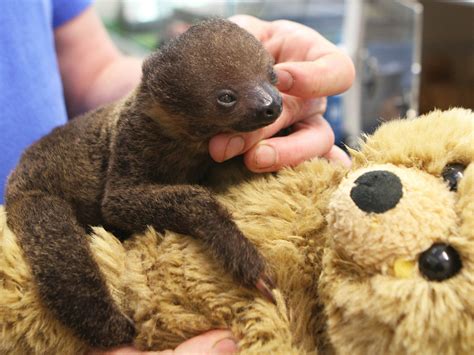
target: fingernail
<point>265,156</point>
<point>285,80</point>
<point>225,346</point>
<point>234,147</point>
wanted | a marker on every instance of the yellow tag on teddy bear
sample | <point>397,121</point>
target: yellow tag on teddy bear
<point>403,268</point>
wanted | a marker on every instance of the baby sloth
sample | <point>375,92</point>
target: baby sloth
<point>137,163</point>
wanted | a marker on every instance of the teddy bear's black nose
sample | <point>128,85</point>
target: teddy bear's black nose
<point>377,191</point>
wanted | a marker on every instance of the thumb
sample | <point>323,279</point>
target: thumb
<point>213,342</point>
<point>328,75</point>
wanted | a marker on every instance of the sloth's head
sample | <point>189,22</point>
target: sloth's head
<point>216,77</point>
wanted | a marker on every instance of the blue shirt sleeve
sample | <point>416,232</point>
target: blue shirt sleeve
<point>31,93</point>
<point>64,10</point>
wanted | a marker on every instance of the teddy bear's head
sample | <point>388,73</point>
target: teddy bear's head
<point>398,275</point>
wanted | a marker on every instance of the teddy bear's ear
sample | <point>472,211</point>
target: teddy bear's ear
<point>429,141</point>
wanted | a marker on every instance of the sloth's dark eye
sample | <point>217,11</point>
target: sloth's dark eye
<point>439,262</point>
<point>273,77</point>
<point>452,174</point>
<point>226,99</point>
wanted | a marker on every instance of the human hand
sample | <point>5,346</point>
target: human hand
<point>309,68</point>
<point>213,342</point>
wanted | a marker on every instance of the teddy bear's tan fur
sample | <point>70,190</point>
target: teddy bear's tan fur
<point>338,287</point>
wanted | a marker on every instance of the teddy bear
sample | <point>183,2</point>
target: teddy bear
<point>378,258</point>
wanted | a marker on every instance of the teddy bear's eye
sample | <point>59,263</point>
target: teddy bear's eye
<point>452,173</point>
<point>439,262</point>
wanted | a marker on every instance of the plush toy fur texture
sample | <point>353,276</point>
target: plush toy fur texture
<point>339,289</point>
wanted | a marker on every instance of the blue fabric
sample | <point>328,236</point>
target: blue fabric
<point>31,94</point>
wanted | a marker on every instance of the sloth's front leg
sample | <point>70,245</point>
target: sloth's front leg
<point>190,210</point>
<point>68,279</point>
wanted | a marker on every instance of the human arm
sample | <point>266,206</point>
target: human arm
<point>93,70</point>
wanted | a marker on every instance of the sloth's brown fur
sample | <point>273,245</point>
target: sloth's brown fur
<point>136,163</point>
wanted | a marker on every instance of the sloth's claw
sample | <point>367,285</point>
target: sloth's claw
<point>265,285</point>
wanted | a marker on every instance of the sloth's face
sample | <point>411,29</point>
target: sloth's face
<point>239,97</point>
<point>249,105</point>
<point>215,78</point>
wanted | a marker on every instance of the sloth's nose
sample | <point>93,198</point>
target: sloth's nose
<point>270,103</point>
<point>272,110</point>
<point>377,191</point>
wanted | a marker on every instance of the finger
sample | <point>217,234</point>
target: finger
<point>328,75</point>
<point>226,146</point>
<point>311,138</point>
<point>255,26</point>
<point>124,350</point>
<point>212,342</point>
<point>339,156</point>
